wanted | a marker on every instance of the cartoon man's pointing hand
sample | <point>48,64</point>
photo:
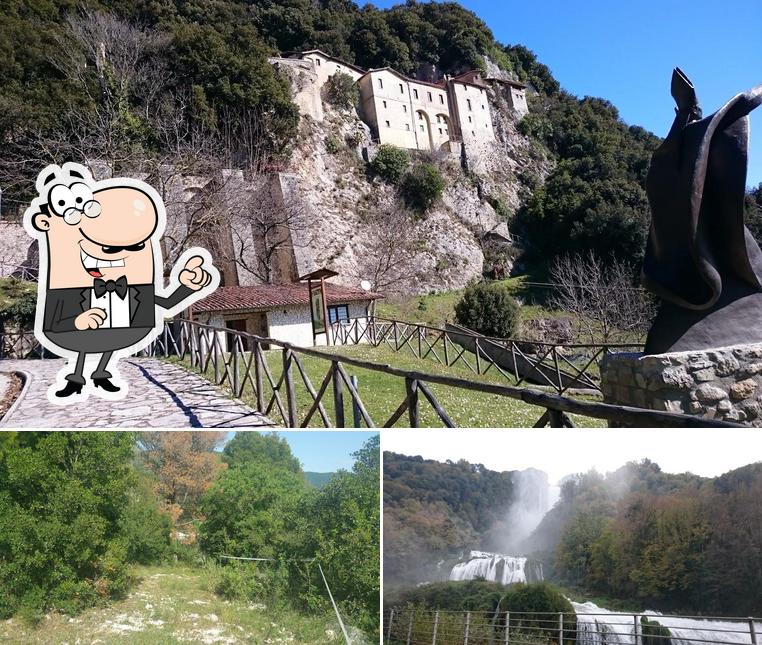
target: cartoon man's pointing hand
<point>99,294</point>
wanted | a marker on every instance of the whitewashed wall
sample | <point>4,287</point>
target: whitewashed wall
<point>291,324</point>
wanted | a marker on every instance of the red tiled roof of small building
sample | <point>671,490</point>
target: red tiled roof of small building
<point>269,296</point>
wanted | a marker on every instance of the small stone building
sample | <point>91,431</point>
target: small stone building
<point>280,311</point>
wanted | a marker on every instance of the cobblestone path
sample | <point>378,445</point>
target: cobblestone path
<point>161,395</point>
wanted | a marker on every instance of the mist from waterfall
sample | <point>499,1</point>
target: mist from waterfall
<point>533,498</point>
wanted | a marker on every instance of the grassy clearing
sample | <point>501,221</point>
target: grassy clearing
<point>175,605</point>
<point>438,308</point>
<point>382,393</point>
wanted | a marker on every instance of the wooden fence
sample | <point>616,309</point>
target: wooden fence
<point>243,365</point>
<point>559,367</point>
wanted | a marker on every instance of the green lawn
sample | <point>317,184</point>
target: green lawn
<point>171,605</point>
<point>382,393</point>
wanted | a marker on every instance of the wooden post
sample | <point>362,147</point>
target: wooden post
<point>468,625</point>
<point>258,376</point>
<point>338,395</point>
<point>216,355</point>
<point>753,631</point>
<point>288,380</point>
<point>561,629</point>
<point>436,626</point>
<point>636,630</point>
<point>389,628</point>
<point>411,388</point>
<point>356,416</point>
<point>420,335</point>
<point>234,364</point>
<point>478,357</point>
<point>508,628</point>
<point>446,353</point>
<point>410,628</point>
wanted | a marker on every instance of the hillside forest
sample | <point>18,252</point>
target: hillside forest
<point>636,538</point>
<point>80,511</point>
<point>175,79</point>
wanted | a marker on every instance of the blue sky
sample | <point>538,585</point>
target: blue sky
<point>324,451</point>
<point>625,51</point>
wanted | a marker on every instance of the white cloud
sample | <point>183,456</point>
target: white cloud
<point>559,452</point>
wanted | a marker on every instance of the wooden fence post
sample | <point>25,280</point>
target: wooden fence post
<point>508,628</point>
<point>436,626</point>
<point>478,357</point>
<point>288,380</point>
<point>258,376</point>
<point>753,631</point>
<point>234,364</point>
<point>468,625</point>
<point>356,416</point>
<point>446,351</point>
<point>338,395</point>
<point>411,389</point>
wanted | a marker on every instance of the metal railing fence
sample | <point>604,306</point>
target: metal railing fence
<point>420,626</point>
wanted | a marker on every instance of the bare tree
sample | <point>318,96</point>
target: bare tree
<point>604,303</point>
<point>392,258</point>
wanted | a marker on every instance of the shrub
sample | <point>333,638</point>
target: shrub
<point>489,309</point>
<point>390,162</point>
<point>341,91</point>
<point>539,598</point>
<point>332,144</point>
<point>144,527</point>
<point>422,186</point>
<point>62,495</point>
<point>18,302</point>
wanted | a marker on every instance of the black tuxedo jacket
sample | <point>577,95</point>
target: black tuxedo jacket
<point>62,306</point>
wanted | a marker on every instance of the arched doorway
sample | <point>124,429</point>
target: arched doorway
<point>423,131</point>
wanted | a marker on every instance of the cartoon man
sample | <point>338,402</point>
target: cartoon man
<point>101,294</point>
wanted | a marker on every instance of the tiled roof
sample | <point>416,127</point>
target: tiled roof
<point>269,296</point>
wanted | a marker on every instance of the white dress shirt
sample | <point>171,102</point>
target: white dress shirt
<point>117,309</point>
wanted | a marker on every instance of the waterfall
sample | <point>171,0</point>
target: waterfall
<point>505,569</point>
<point>533,498</point>
<point>610,628</point>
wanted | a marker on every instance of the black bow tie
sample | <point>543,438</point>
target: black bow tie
<point>108,286</point>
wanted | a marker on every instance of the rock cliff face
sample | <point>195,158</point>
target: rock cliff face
<point>328,173</point>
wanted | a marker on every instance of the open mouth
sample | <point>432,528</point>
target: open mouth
<point>94,265</point>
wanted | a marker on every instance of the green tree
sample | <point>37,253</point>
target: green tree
<point>390,162</point>
<point>422,186</point>
<point>341,91</point>
<point>488,308</point>
<point>270,448</point>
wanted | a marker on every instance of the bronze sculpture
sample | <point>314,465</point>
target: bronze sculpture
<point>701,261</point>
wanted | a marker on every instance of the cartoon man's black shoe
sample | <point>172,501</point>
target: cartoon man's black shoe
<point>105,384</point>
<point>71,388</point>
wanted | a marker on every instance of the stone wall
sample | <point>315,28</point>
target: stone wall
<point>723,384</point>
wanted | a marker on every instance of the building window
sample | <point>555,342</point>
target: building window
<point>415,93</point>
<point>468,102</point>
<point>420,116</point>
<point>440,130</point>
<point>470,120</point>
<point>473,134</point>
<point>338,313</point>
<point>381,83</point>
<point>429,95</point>
<point>441,99</point>
<point>388,125</point>
<point>317,60</point>
<point>402,91</point>
<point>446,130</point>
<point>407,126</point>
<point>421,128</point>
<point>482,106</point>
<point>404,108</point>
<point>384,102</point>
